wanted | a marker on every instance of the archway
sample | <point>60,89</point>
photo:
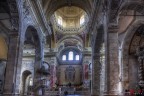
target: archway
<point>31,60</point>
<point>130,64</point>
<point>26,81</point>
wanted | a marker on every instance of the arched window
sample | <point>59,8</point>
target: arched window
<point>30,81</point>
<point>82,20</point>
<point>64,57</point>
<point>60,20</point>
<point>77,57</point>
<point>70,55</point>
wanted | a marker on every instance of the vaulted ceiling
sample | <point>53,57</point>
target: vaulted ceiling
<point>50,6</point>
<point>67,9</point>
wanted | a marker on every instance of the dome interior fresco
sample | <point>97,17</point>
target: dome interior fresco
<point>70,17</point>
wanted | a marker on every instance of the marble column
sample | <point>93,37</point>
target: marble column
<point>11,64</point>
<point>96,69</point>
<point>112,64</point>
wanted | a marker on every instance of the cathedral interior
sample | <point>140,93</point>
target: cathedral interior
<point>71,47</point>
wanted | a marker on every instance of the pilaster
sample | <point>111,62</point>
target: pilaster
<point>112,63</point>
<point>11,64</point>
<point>96,68</point>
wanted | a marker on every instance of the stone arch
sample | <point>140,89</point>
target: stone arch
<point>133,5</point>
<point>66,38</point>
<point>33,32</point>
<point>130,8</point>
<point>25,76</point>
<point>32,37</point>
<point>35,40</point>
<point>74,37</point>
<point>128,58</point>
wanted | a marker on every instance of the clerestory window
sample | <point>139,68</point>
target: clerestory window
<point>64,57</point>
<point>70,55</point>
<point>77,57</point>
<point>60,20</point>
<point>82,20</point>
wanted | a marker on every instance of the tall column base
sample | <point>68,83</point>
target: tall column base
<point>112,94</point>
